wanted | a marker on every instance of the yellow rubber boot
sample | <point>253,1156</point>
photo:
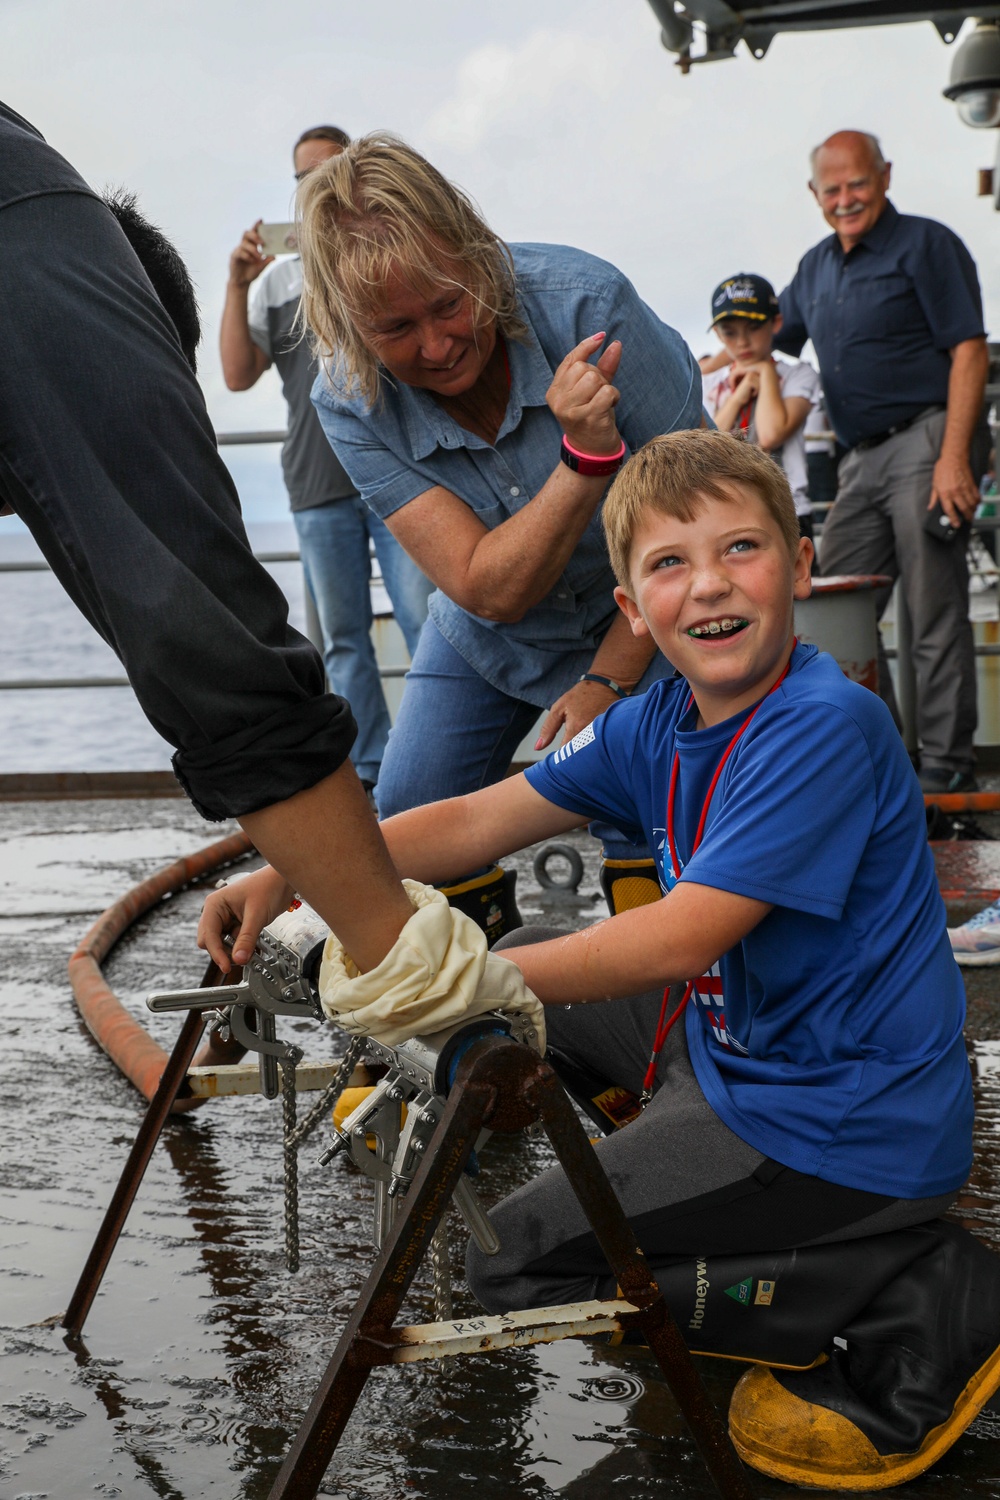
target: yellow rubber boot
<point>628,883</point>
<point>918,1363</point>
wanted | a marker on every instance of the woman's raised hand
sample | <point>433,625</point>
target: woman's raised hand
<point>583,399</point>
<point>244,908</point>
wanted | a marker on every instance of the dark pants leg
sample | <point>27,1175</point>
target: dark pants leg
<point>454,732</point>
<point>876,526</point>
<point>688,1185</point>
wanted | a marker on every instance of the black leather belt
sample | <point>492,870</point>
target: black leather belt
<point>883,437</point>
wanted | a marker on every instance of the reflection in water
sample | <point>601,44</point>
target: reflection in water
<point>203,1351</point>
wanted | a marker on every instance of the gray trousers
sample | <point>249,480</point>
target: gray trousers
<point>876,526</point>
<point>688,1185</point>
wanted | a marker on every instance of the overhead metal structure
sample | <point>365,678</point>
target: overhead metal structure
<point>724,26</point>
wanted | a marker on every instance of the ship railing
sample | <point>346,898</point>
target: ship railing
<point>292,555</point>
<point>313,631</point>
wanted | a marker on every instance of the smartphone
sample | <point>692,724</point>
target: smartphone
<point>278,239</point>
<point>937,525</point>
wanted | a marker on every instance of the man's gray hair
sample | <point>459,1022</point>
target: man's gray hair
<point>874,146</point>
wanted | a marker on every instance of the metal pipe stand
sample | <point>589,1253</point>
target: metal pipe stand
<point>502,1086</point>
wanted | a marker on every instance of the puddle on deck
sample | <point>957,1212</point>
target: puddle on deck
<point>201,1351</point>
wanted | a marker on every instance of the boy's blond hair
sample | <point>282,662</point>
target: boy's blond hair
<point>673,474</point>
<point>380,207</point>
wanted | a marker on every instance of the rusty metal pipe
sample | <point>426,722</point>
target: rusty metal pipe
<point>505,1087</point>
<point>134,1170</point>
<point>628,1264</point>
<point>381,1298</point>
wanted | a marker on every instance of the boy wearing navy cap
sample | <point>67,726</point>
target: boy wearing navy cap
<point>756,395</point>
<point>809,1118</point>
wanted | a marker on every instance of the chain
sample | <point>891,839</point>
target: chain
<point>293,1135</point>
<point>441,1271</point>
<point>289,1063</point>
<point>331,1093</point>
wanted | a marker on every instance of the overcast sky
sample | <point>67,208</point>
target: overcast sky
<point>565,119</point>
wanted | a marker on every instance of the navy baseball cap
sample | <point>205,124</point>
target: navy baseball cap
<point>744,296</point>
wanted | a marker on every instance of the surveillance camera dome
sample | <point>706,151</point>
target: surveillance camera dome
<point>975,77</point>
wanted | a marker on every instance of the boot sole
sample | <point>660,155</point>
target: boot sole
<point>833,1453</point>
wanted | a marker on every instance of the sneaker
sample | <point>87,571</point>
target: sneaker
<point>977,942</point>
<point>938,779</point>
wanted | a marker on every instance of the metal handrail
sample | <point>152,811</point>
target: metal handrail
<point>23,683</point>
<point>39,565</point>
<point>239,439</point>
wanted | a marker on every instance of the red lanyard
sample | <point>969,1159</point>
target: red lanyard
<point>663,1029</point>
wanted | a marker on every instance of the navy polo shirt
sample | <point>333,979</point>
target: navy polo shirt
<point>882,319</point>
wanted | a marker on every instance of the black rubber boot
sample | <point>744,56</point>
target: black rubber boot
<point>628,883</point>
<point>780,1307</point>
<point>490,900</point>
<point>921,1359</point>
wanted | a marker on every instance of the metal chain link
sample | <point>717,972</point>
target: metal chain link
<point>441,1271</point>
<point>289,1063</point>
<point>332,1092</point>
<point>293,1135</point>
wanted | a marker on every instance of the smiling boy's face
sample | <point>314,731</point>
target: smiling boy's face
<point>716,594</point>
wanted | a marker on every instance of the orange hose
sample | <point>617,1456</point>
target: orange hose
<point>125,1040</point>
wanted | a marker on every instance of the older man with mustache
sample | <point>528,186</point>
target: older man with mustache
<point>893,307</point>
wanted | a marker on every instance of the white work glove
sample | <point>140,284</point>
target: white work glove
<point>438,971</point>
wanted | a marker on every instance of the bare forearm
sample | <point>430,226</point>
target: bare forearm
<point>966,387</point>
<point>514,566</point>
<point>679,937</point>
<point>771,414</point>
<point>435,843</point>
<point>445,839</point>
<point>242,361</point>
<point>725,417</point>
<point>327,845</point>
<point>609,961</point>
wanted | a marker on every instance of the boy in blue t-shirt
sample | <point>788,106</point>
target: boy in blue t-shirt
<point>809,1117</point>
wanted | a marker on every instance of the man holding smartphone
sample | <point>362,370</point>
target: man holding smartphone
<point>893,307</point>
<point>259,328</point>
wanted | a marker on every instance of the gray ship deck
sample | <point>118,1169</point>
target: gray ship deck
<point>201,1351</point>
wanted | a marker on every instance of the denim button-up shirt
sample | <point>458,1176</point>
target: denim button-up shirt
<point>406,444</point>
<point>882,319</point>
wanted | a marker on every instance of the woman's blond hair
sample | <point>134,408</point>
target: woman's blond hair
<point>380,207</point>
<point>674,475</point>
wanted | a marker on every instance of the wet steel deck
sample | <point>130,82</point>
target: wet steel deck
<point>201,1351</point>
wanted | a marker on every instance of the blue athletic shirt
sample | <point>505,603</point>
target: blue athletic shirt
<point>830,1038</point>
